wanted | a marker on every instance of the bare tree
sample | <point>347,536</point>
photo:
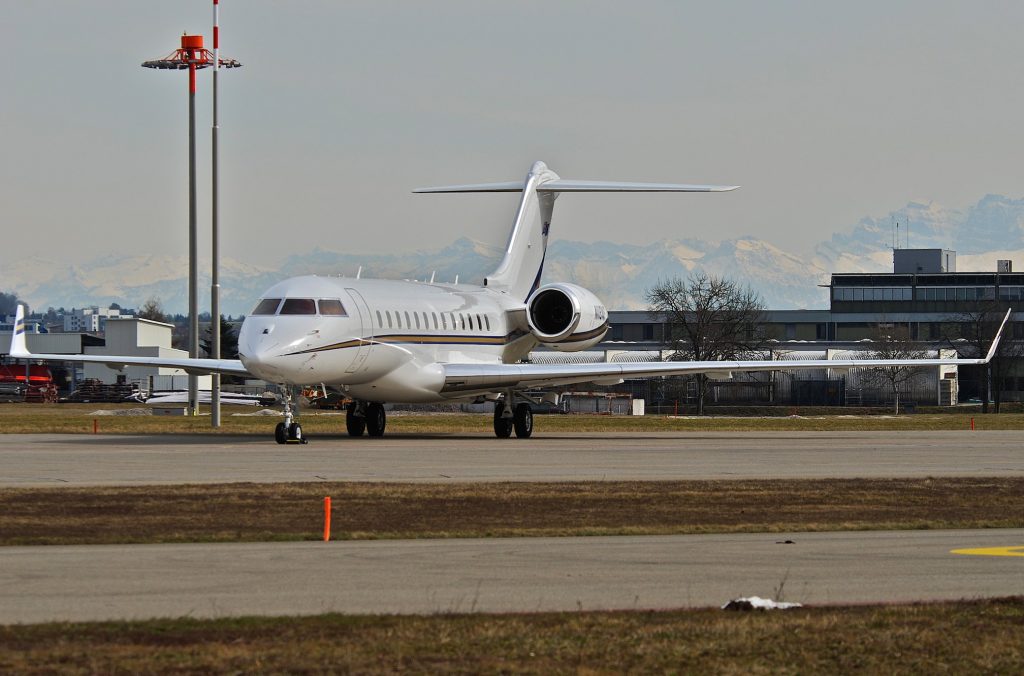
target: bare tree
<point>708,318</point>
<point>152,309</point>
<point>894,342</point>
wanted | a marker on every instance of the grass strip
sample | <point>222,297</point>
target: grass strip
<point>961,637</point>
<point>241,512</point>
<point>78,419</point>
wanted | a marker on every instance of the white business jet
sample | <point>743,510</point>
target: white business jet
<point>379,341</point>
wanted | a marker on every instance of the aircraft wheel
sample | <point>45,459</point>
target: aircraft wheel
<point>281,433</point>
<point>523,418</point>
<point>295,434</point>
<point>376,419</point>
<point>355,424</point>
<point>502,425</point>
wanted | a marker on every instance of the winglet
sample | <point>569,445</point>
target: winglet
<point>999,336</point>
<point>18,348</point>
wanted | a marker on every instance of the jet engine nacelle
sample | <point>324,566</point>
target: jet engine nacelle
<point>566,317</point>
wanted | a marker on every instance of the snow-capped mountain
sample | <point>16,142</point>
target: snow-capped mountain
<point>618,273</point>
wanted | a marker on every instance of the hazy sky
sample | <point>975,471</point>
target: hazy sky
<point>823,112</point>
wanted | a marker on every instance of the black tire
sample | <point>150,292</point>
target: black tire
<point>295,433</point>
<point>355,424</point>
<point>502,425</point>
<point>281,433</point>
<point>376,420</point>
<point>523,418</point>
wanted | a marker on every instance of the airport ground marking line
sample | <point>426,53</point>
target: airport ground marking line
<point>990,551</point>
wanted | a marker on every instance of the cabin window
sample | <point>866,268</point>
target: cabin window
<point>398,318</point>
<point>387,313</point>
<point>444,322</point>
<point>331,307</point>
<point>479,324</point>
<point>380,320</point>
<point>408,322</point>
<point>434,315</point>
<point>463,322</point>
<point>487,322</point>
<point>417,318</point>
<point>298,306</point>
<point>426,321</point>
<point>267,306</point>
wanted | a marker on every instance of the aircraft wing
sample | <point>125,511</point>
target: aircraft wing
<point>479,378</point>
<point>19,350</point>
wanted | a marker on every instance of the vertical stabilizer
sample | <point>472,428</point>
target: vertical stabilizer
<point>18,346</point>
<point>520,270</point>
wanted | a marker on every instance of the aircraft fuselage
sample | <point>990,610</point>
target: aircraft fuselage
<point>379,340</point>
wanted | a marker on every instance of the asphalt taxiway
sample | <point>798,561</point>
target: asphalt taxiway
<point>78,460</point>
<point>40,584</point>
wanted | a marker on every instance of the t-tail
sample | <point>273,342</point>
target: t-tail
<point>520,270</point>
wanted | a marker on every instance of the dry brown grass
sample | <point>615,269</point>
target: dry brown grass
<point>78,419</point>
<point>964,637</point>
<point>293,511</point>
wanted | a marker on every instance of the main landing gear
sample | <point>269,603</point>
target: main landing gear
<point>510,416</point>
<point>289,431</point>
<point>361,416</point>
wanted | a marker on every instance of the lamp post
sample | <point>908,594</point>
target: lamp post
<point>192,56</point>
<point>215,232</point>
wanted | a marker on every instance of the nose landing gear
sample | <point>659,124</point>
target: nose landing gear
<point>289,431</point>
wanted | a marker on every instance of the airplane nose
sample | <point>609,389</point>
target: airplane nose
<point>256,350</point>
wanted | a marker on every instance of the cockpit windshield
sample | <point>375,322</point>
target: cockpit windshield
<point>267,306</point>
<point>331,306</point>
<point>298,306</point>
<point>328,307</point>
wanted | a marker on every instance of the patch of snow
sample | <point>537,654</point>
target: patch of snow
<point>758,603</point>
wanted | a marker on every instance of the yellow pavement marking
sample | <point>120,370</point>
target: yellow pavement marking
<point>991,551</point>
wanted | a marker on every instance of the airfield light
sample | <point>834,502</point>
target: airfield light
<point>192,56</point>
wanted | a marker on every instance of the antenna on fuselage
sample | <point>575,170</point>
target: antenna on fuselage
<point>456,279</point>
<point>359,272</point>
<point>432,273</point>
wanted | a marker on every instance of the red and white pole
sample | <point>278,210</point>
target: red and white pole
<point>215,233</point>
<point>216,34</point>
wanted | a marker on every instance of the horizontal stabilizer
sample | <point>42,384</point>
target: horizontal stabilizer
<point>562,185</point>
<point>509,186</point>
